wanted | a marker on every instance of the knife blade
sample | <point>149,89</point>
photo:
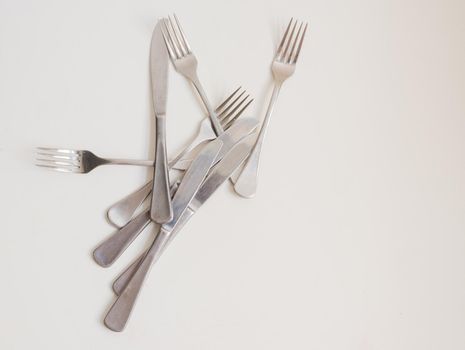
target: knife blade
<point>218,175</point>
<point>160,210</point>
<point>240,129</point>
<point>158,71</point>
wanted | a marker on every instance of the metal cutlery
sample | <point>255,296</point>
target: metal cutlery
<point>119,313</point>
<point>78,161</point>
<point>161,210</point>
<point>224,147</point>
<point>283,67</point>
<point>228,113</point>
<point>215,178</point>
<point>185,63</point>
<point>113,246</point>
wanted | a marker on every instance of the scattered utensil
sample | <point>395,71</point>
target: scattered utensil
<point>185,63</point>
<point>78,161</point>
<point>161,210</point>
<point>283,67</point>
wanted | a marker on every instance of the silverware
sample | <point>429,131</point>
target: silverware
<point>228,111</point>
<point>185,63</point>
<point>161,210</point>
<point>215,178</point>
<point>112,247</point>
<point>283,67</point>
<point>119,313</point>
<point>78,161</point>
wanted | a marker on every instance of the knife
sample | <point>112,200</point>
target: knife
<point>120,311</point>
<point>122,212</point>
<point>217,176</point>
<point>160,210</point>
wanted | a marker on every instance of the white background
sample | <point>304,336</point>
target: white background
<point>356,239</point>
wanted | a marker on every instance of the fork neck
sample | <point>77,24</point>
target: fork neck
<point>269,111</point>
<point>211,112</point>
<point>137,162</point>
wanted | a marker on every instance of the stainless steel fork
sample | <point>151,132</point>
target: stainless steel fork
<point>78,161</point>
<point>83,161</point>
<point>283,67</point>
<point>185,63</point>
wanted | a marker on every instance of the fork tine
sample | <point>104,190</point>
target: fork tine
<point>58,159</point>
<point>228,124</point>
<point>283,40</point>
<point>57,150</point>
<point>227,99</point>
<point>169,47</point>
<point>183,36</point>
<point>229,114</point>
<point>300,44</point>
<point>58,168</point>
<point>224,113</point>
<point>294,44</point>
<point>170,36</point>
<point>181,47</point>
<point>57,162</point>
<point>58,155</point>
<point>291,38</point>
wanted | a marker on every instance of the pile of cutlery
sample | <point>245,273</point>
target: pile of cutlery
<point>225,147</point>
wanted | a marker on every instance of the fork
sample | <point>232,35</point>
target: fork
<point>78,161</point>
<point>283,67</point>
<point>185,63</point>
<point>228,112</point>
<point>83,161</point>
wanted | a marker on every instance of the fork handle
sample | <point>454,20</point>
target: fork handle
<point>161,210</point>
<point>211,112</point>
<point>137,162</point>
<point>247,180</point>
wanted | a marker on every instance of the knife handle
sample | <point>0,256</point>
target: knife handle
<point>123,279</point>
<point>111,248</point>
<point>161,210</point>
<point>120,311</point>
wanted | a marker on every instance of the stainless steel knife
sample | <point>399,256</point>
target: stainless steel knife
<point>160,210</point>
<point>217,176</point>
<point>120,311</point>
<point>241,128</point>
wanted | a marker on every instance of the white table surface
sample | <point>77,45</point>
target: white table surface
<point>356,238</point>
